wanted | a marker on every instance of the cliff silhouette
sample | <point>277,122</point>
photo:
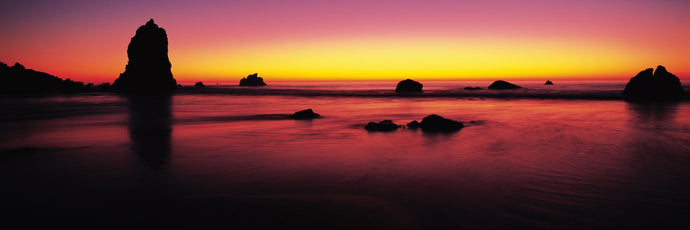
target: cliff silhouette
<point>18,79</point>
<point>148,65</point>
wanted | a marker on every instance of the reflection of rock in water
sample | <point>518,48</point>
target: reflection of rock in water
<point>654,113</point>
<point>150,128</point>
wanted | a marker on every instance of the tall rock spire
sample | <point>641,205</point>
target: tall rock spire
<point>148,67</point>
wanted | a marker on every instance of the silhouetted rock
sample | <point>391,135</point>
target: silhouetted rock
<point>503,85</point>
<point>104,86</point>
<point>18,67</point>
<point>199,85</point>
<point>659,85</point>
<point>385,125</point>
<point>548,82</point>
<point>148,68</point>
<point>408,85</point>
<point>436,123</point>
<point>252,80</point>
<point>305,114</point>
<point>20,79</point>
<point>473,88</point>
<point>413,125</point>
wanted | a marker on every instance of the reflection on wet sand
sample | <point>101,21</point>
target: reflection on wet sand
<point>150,128</point>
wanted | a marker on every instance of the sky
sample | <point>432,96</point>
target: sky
<point>223,41</point>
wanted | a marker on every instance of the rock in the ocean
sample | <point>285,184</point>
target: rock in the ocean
<point>252,80</point>
<point>650,85</point>
<point>199,85</point>
<point>408,85</point>
<point>385,125</point>
<point>473,88</point>
<point>500,84</point>
<point>148,68</point>
<point>305,114</point>
<point>413,125</point>
<point>436,123</point>
<point>548,82</point>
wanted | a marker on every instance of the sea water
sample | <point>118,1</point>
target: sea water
<point>233,158</point>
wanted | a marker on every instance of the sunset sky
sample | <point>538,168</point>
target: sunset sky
<point>222,41</point>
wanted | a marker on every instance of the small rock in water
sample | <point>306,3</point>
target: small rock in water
<point>385,125</point>
<point>408,85</point>
<point>503,85</point>
<point>548,82</point>
<point>436,123</point>
<point>413,125</point>
<point>473,88</point>
<point>305,114</point>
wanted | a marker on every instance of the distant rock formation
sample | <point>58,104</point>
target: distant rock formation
<point>548,82</point>
<point>659,85</point>
<point>252,80</point>
<point>436,123</point>
<point>20,79</point>
<point>385,125</point>
<point>408,85</point>
<point>473,88</point>
<point>199,85</point>
<point>500,84</point>
<point>305,114</point>
<point>148,67</point>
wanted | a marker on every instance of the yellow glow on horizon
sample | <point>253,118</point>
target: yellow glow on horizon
<point>365,59</point>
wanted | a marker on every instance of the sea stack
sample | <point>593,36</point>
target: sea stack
<point>252,80</point>
<point>148,67</point>
<point>500,84</point>
<point>650,85</point>
<point>548,82</point>
<point>408,85</point>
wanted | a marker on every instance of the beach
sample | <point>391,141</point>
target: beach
<point>232,158</point>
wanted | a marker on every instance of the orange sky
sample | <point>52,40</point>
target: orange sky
<point>222,41</point>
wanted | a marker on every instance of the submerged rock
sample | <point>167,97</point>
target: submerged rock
<point>548,82</point>
<point>305,114</point>
<point>500,84</point>
<point>252,80</point>
<point>659,85</point>
<point>473,88</point>
<point>436,123</point>
<point>148,65</point>
<point>408,85</point>
<point>385,125</point>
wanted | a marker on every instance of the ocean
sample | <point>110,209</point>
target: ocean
<point>570,155</point>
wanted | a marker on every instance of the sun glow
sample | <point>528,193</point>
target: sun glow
<point>428,58</point>
<point>356,40</point>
